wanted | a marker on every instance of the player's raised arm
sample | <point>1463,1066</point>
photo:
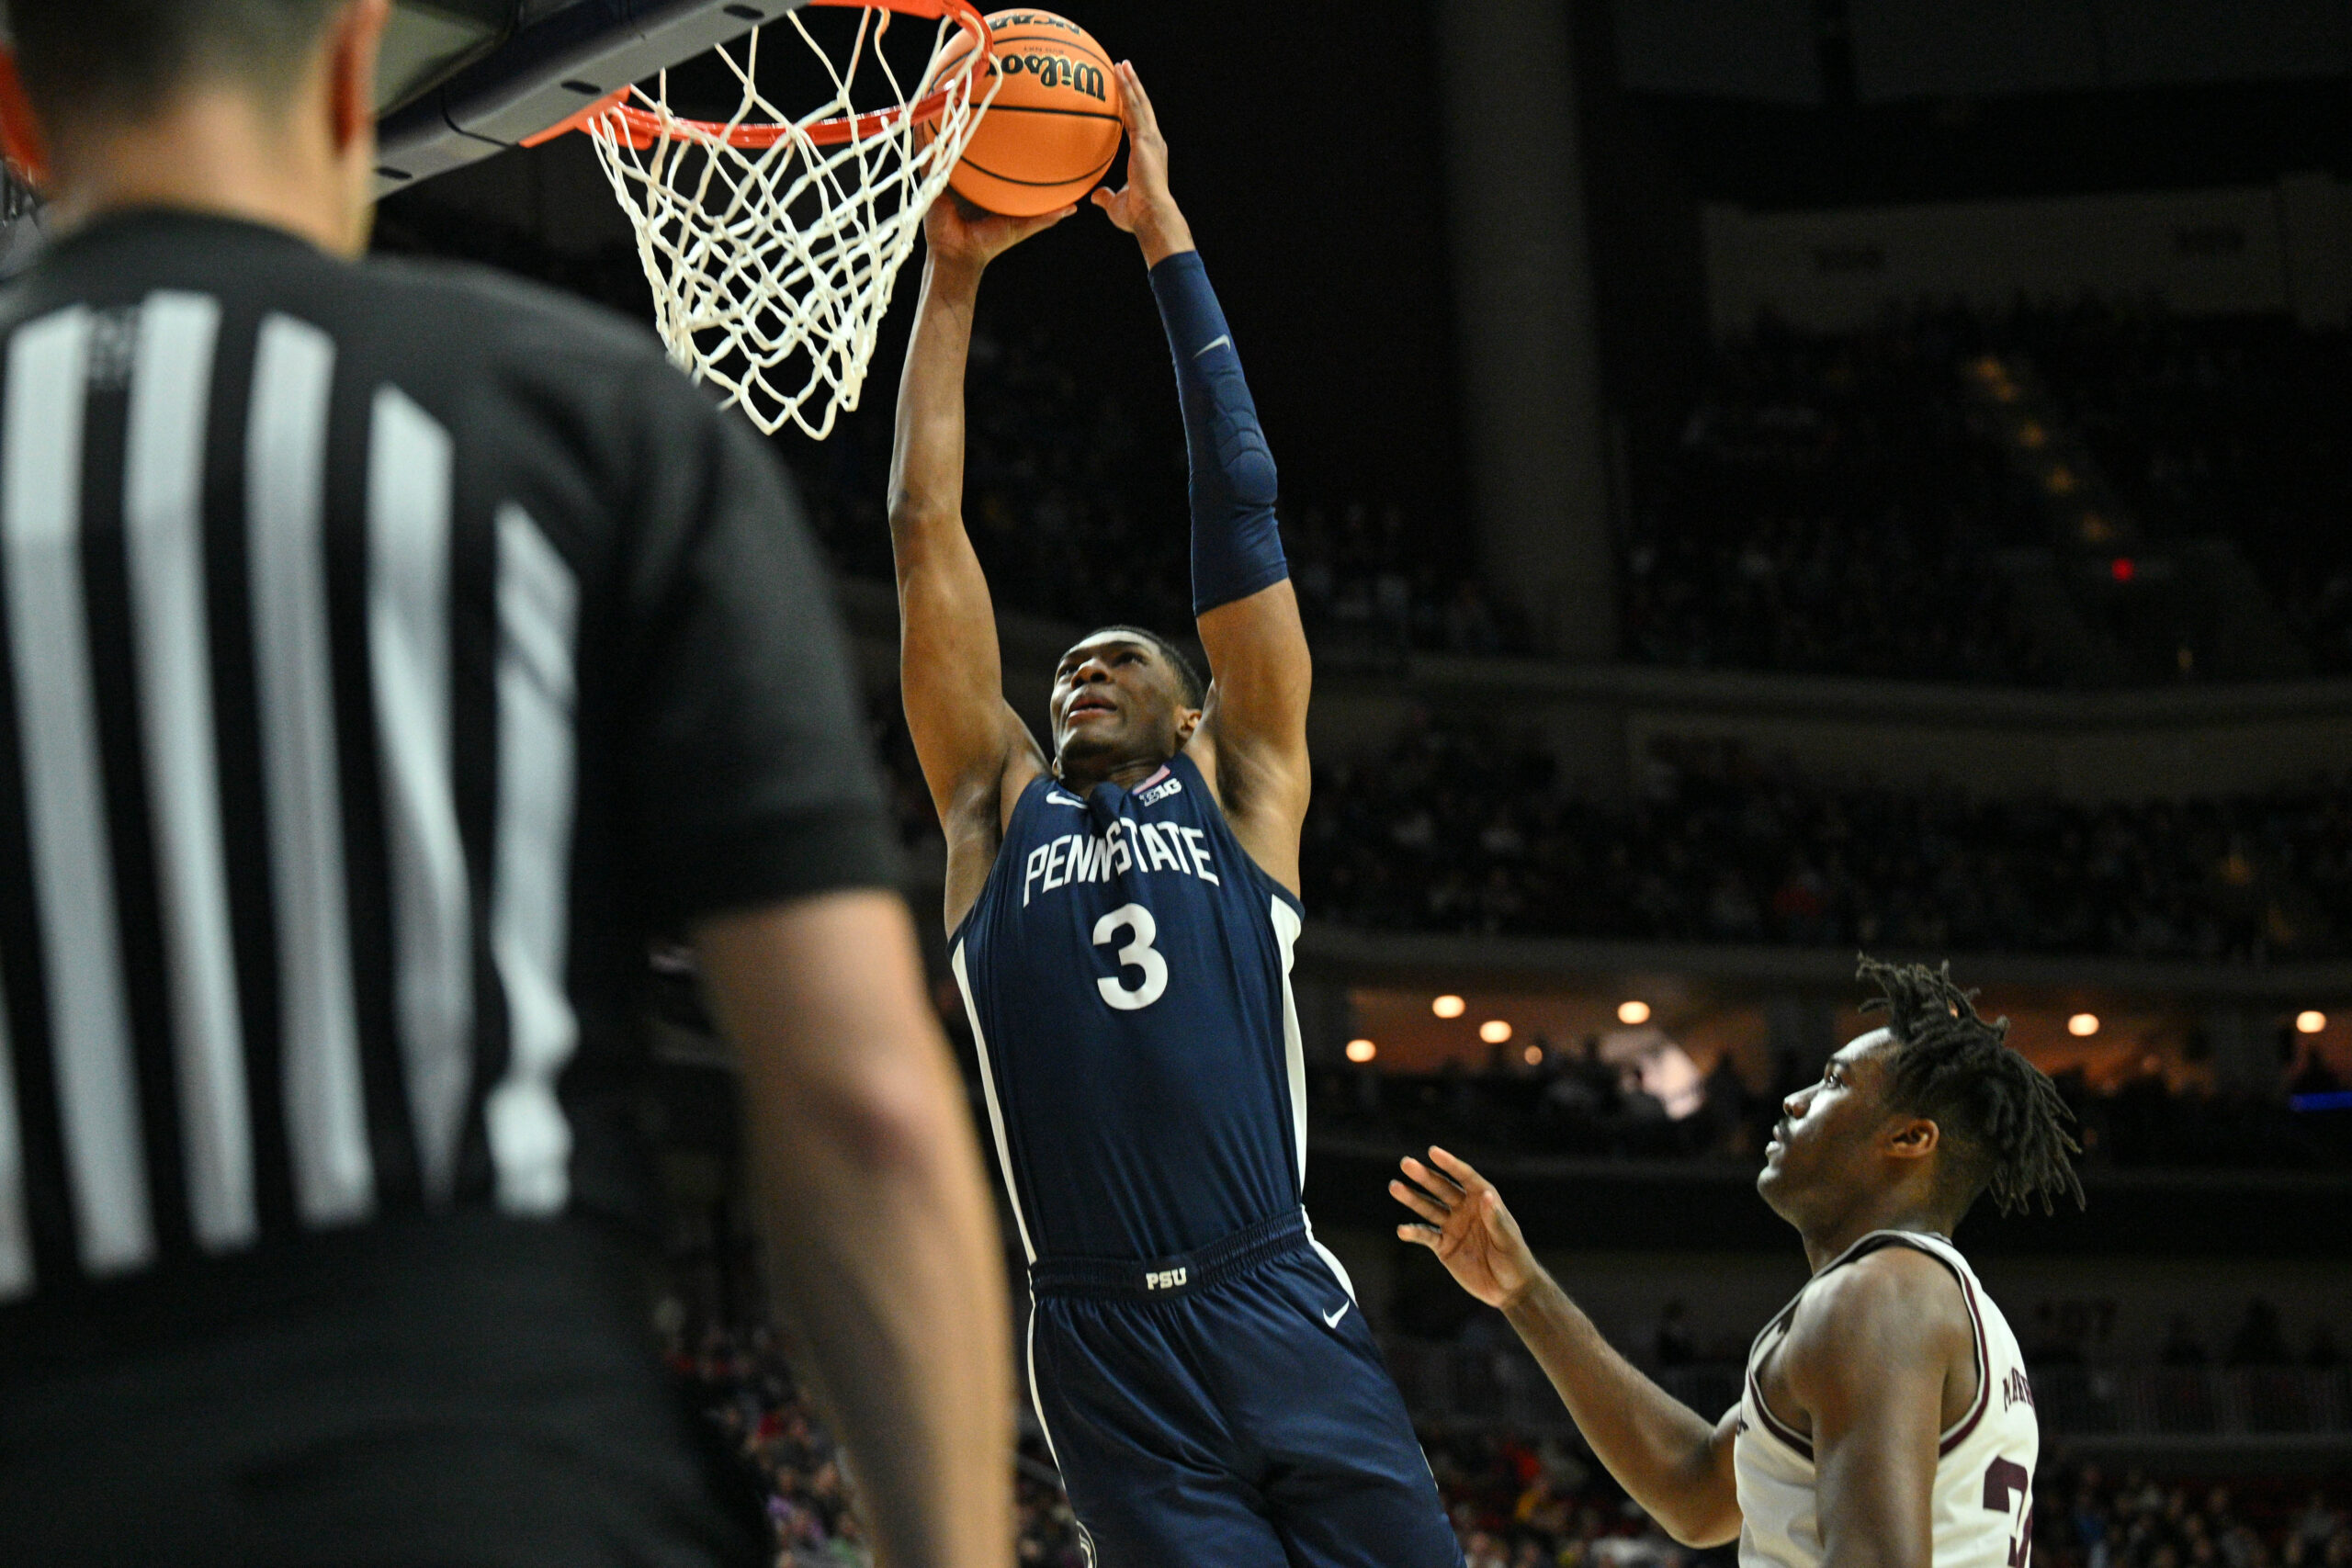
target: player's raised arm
<point>1252,742</point>
<point>1671,1460</point>
<point>974,751</point>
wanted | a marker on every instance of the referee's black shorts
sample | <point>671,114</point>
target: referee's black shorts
<point>461,1393</point>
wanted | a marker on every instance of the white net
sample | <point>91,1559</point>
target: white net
<point>772,242</point>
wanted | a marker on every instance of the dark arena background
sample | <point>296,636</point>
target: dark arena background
<point>1767,478</point>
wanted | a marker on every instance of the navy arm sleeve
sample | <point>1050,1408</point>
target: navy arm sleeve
<point>1237,544</point>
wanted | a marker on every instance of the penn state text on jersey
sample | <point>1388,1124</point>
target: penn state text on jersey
<point>1126,968</point>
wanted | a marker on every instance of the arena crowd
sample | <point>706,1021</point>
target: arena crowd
<point>792,1473</point>
<point>1466,829</point>
<point>2085,1519</point>
<point>1835,503</point>
<point>1827,504</point>
<point>1571,1102</point>
<point>1516,1501</point>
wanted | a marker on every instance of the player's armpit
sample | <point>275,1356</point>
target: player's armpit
<point>1260,678</point>
<point>1867,1361</point>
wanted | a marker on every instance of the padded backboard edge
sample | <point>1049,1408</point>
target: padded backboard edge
<point>546,71</point>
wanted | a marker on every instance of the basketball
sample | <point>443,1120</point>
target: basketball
<point>1054,127</point>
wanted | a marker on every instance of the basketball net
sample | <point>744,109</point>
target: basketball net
<point>771,241</point>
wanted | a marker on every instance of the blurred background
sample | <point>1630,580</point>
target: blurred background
<point>1768,478</point>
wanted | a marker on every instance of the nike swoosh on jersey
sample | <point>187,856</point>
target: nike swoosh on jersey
<point>1222,340</point>
<point>1331,1319</point>
<point>1053,798</point>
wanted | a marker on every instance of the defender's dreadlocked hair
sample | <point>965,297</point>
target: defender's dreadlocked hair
<point>1949,1063</point>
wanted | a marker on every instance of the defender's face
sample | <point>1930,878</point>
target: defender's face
<point>1114,701</point>
<point>1826,1140</point>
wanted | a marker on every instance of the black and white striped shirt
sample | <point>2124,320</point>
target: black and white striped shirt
<point>386,650</point>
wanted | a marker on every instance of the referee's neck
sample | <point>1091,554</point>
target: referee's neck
<point>214,152</point>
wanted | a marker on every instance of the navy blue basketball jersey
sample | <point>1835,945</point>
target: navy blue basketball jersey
<point>1127,973</point>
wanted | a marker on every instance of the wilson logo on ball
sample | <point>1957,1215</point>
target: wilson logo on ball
<point>1055,70</point>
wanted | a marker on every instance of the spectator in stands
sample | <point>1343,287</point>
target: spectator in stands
<point>2317,1522</point>
<point>788,1461</point>
<point>2087,1525</point>
<point>2260,1341</point>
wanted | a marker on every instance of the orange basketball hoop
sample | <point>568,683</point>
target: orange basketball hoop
<point>772,242</point>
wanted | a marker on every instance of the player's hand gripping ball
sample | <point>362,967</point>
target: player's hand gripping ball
<point>1054,127</point>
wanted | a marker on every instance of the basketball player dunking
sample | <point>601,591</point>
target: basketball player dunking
<point>1885,1418</point>
<point>1122,916</point>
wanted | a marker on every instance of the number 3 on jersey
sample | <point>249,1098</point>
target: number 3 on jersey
<point>1138,953</point>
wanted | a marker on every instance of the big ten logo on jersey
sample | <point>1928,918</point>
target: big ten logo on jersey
<point>1127,845</point>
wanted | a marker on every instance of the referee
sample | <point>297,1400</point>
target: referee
<point>384,650</point>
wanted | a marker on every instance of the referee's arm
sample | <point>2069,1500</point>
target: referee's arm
<point>881,1241</point>
<point>765,834</point>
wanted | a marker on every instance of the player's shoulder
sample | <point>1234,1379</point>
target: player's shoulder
<point>1891,1298</point>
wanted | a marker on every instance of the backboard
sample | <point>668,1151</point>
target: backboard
<point>463,79</point>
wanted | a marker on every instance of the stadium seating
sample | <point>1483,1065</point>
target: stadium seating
<point>1462,830</point>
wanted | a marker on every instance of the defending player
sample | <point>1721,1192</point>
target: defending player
<point>1122,914</point>
<point>1886,1418</point>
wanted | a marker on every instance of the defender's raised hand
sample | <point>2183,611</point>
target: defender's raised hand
<point>961,234</point>
<point>1463,1222</point>
<point>1143,206</point>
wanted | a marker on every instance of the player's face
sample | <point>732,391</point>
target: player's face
<point>1824,1149</point>
<point>1117,701</point>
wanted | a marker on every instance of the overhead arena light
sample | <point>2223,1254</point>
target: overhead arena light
<point>2083,1025</point>
<point>1494,1032</point>
<point>1632,1013</point>
<point>1362,1050</point>
<point>2310,1021</point>
<point>1532,1055</point>
<point>1449,1006</point>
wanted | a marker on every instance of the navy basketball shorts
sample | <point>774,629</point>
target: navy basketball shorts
<point>1231,1408</point>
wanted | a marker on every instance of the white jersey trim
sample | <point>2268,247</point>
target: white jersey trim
<point>996,1111</point>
